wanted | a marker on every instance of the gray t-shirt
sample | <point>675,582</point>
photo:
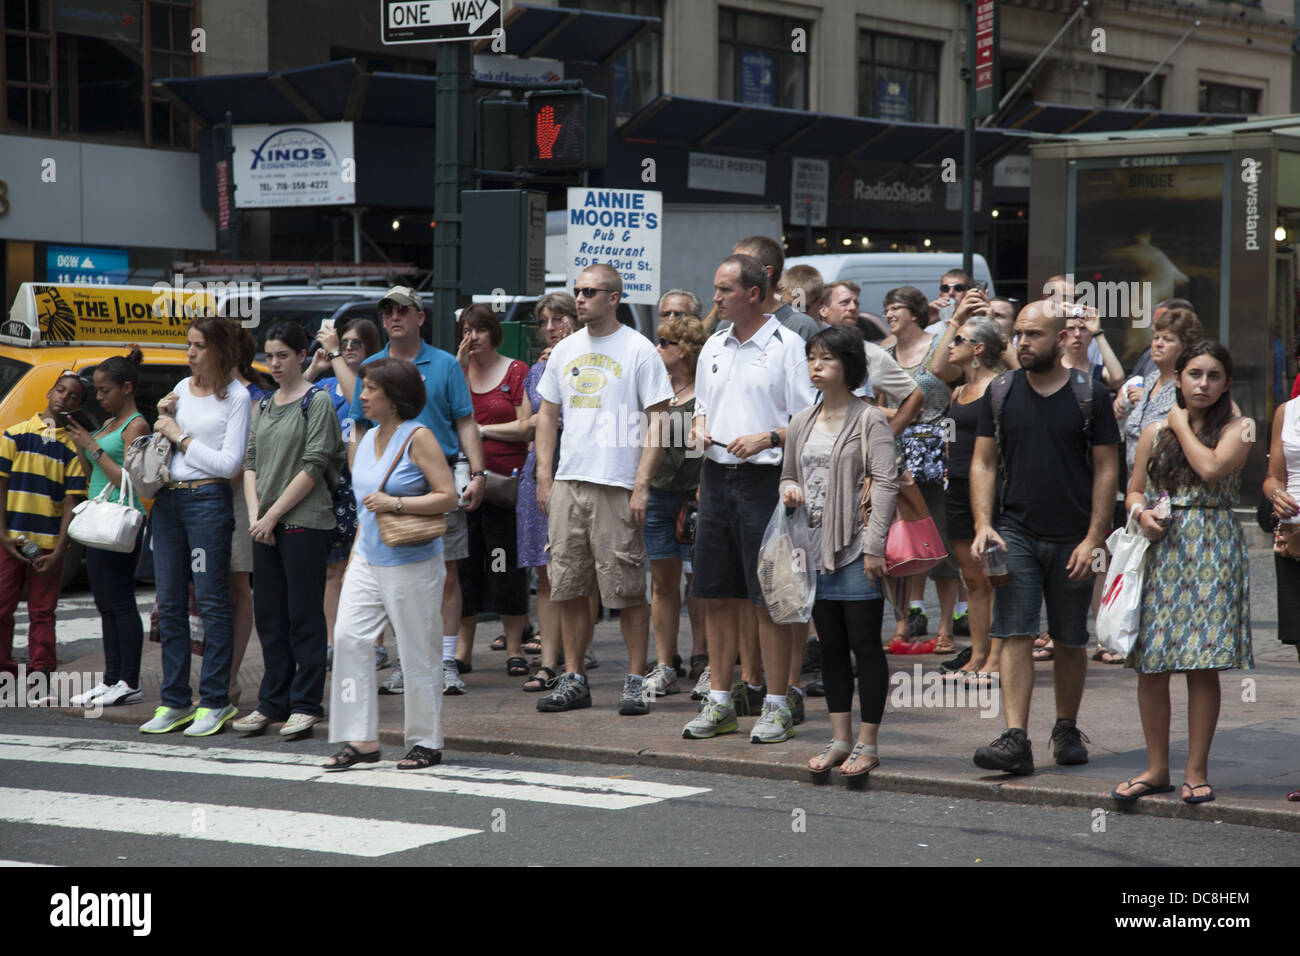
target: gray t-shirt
<point>815,458</point>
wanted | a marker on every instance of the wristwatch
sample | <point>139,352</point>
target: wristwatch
<point>478,474</point>
<point>776,439</point>
<point>333,355</point>
<point>180,442</point>
<point>96,453</point>
<point>399,505</point>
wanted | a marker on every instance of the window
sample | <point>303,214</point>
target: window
<point>170,54</point>
<point>1222,98</point>
<point>1118,85</point>
<point>638,70</point>
<point>29,88</point>
<point>898,78</point>
<point>756,65</point>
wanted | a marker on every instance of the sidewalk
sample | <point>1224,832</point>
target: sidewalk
<point>1255,760</point>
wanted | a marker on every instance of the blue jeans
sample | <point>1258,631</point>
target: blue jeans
<point>1039,576</point>
<point>191,538</point>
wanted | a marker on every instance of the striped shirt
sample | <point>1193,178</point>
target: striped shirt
<point>43,468</point>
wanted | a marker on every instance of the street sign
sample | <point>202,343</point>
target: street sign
<point>619,228</point>
<point>425,21</point>
<point>986,57</point>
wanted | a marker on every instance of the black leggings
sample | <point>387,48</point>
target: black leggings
<point>112,582</point>
<point>844,626</point>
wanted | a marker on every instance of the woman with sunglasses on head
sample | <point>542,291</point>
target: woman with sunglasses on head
<point>206,418</point>
<point>557,318</point>
<point>1196,586</point>
<point>1082,328</point>
<point>111,573</point>
<point>833,451</point>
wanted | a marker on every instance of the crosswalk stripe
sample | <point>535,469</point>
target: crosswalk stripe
<point>284,829</point>
<point>591,792</point>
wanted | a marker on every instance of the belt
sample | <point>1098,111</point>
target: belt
<point>742,464</point>
<point>187,485</point>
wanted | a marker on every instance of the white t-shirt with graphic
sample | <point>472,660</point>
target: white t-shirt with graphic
<point>603,385</point>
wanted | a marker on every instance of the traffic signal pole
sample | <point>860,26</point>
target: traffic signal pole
<point>968,150</point>
<point>453,169</point>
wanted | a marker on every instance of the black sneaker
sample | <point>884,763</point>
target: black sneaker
<point>812,657</point>
<point>1067,743</point>
<point>1010,753</point>
<point>570,693</point>
<point>748,703</point>
<point>917,621</point>
<point>958,662</point>
<point>815,687</point>
<point>635,701</point>
<point>961,623</point>
<point>698,663</point>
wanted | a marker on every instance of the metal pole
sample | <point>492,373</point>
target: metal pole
<point>454,163</point>
<point>1010,96</point>
<point>968,149</point>
<point>807,224</point>
<point>1159,66</point>
<point>356,233</point>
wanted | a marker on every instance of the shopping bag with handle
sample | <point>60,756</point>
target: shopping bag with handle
<point>1120,614</point>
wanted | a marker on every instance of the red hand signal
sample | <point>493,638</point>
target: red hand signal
<point>548,131</point>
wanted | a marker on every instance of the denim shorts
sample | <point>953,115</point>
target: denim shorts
<point>1038,576</point>
<point>661,527</point>
<point>849,583</point>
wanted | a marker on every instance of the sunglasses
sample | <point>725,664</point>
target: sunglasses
<point>588,292</point>
<point>665,343</point>
<point>351,344</point>
<point>953,288</point>
<point>959,340</point>
<point>390,308</point>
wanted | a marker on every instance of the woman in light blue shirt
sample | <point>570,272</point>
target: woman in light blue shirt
<point>400,468</point>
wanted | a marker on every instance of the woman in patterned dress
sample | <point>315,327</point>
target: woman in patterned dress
<point>1196,590</point>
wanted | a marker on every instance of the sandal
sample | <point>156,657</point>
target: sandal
<point>858,750</point>
<point>1043,648</point>
<point>418,758</point>
<point>840,748</point>
<point>1150,789</point>
<point>1193,787</point>
<point>1107,657</point>
<point>517,667</point>
<point>499,644</point>
<point>982,679</point>
<point>943,644</point>
<point>532,646</point>
<point>349,756</point>
<point>539,683</point>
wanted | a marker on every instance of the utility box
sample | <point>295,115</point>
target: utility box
<point>503,242</point>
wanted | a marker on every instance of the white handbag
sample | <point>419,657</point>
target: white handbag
<point>110,525</point>
<point>1120,616</point>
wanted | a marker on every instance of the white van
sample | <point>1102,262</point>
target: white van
<point>878,272</point>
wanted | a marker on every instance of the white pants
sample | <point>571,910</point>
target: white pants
<point>409,598</point>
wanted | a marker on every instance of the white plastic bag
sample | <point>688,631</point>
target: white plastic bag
<point>1120,614</point>
<point>787,565</point>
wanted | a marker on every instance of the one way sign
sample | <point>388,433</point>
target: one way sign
<point>423,21</point>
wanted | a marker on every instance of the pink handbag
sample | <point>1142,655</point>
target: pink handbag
<point>914,544</point>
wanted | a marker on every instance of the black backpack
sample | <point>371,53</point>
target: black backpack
<point>337,477</point>
<point>1000,388</point>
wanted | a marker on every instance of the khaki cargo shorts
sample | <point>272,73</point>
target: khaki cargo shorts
<point>594,542</point>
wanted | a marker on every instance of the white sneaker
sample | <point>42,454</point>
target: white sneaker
<point>701,689</point>
<point>254,723</point>
<point>298,724</point>
<point>663,680</point>
<point>89,697</point>
<point>452,685</point>
<point>120,694</point>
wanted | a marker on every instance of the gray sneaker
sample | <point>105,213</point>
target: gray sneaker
<point>452,685</point>
<point>662,680</point>
<point>393,683</point>
<point>747,701</point>
<point>381,658</point>
<point>713,720</point>
<point>794,700</point>
<point>701,688</point>
<point>166,719</point>
<point>570,693</point>
<point>209,720</point>
<point>635,701</point>
<point>774,726</point>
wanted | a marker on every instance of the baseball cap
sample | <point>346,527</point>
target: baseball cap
<point>402,295</point>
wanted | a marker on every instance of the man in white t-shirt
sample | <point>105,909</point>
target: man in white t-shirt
<point>611,385</point>
<point>885,377</point>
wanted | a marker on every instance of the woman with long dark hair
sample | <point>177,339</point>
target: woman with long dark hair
<point>112,574</point>
<point>206,418</point>
<point>1196,590</point>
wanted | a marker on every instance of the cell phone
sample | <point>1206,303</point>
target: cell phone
<point>981,285</point>
<point>81,418</point>
<point>327,324</point>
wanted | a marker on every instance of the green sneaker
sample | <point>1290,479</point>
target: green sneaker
<point>166,719</point>
<point>713,719</point>
<point>774,725</point>
<point>209,720</point>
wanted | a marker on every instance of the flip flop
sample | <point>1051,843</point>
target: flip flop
<point>1107,657</point>
<point>1150,789</point>
<point>1194,798</point>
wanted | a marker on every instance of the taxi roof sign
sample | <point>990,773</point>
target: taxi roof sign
<point>50,314</point>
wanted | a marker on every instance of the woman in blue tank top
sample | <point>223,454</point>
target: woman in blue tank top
<point>399,468</point>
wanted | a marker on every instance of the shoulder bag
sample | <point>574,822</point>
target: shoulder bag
<point>146,460</point>
<point>403,530</point>
<point>108,525</point>
<point>914,545</point>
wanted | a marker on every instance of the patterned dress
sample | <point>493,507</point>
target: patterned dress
<point>1196,592</point>
<point>530,530</point>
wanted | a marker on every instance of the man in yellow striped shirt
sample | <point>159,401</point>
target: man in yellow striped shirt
<point>42,477</point>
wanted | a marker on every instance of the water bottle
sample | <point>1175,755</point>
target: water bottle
<point>461,472</point>
<point>29,549</point>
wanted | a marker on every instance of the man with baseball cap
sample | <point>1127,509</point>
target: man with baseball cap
<point>449,413</point>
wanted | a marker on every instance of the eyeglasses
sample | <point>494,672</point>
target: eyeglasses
<point>351,344</point>
<point>677,315</point>
<point>389,308</point>
<point>587,292</point>
<point>953,288</point>
<point>665,343</point>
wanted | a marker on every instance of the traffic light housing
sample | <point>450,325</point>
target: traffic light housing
<point>566,130</point>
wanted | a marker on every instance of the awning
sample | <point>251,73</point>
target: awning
<point>1063,119</point>
<point>326,92</point>
<point>574,36</point>
<point>714,124</point>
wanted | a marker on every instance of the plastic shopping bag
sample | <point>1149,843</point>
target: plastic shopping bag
<point>1120,614</point>
<point>787,565</point>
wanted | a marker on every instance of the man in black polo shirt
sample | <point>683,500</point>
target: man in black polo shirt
<point>1057,443</point>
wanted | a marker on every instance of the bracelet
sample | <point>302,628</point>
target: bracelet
<point>479,474</point>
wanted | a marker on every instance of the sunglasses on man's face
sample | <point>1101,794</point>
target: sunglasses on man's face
<point>953,288</point>
<point>391,308</point>
<point>588,292</point>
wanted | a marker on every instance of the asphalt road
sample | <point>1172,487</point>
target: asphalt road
<point>79,792</point>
